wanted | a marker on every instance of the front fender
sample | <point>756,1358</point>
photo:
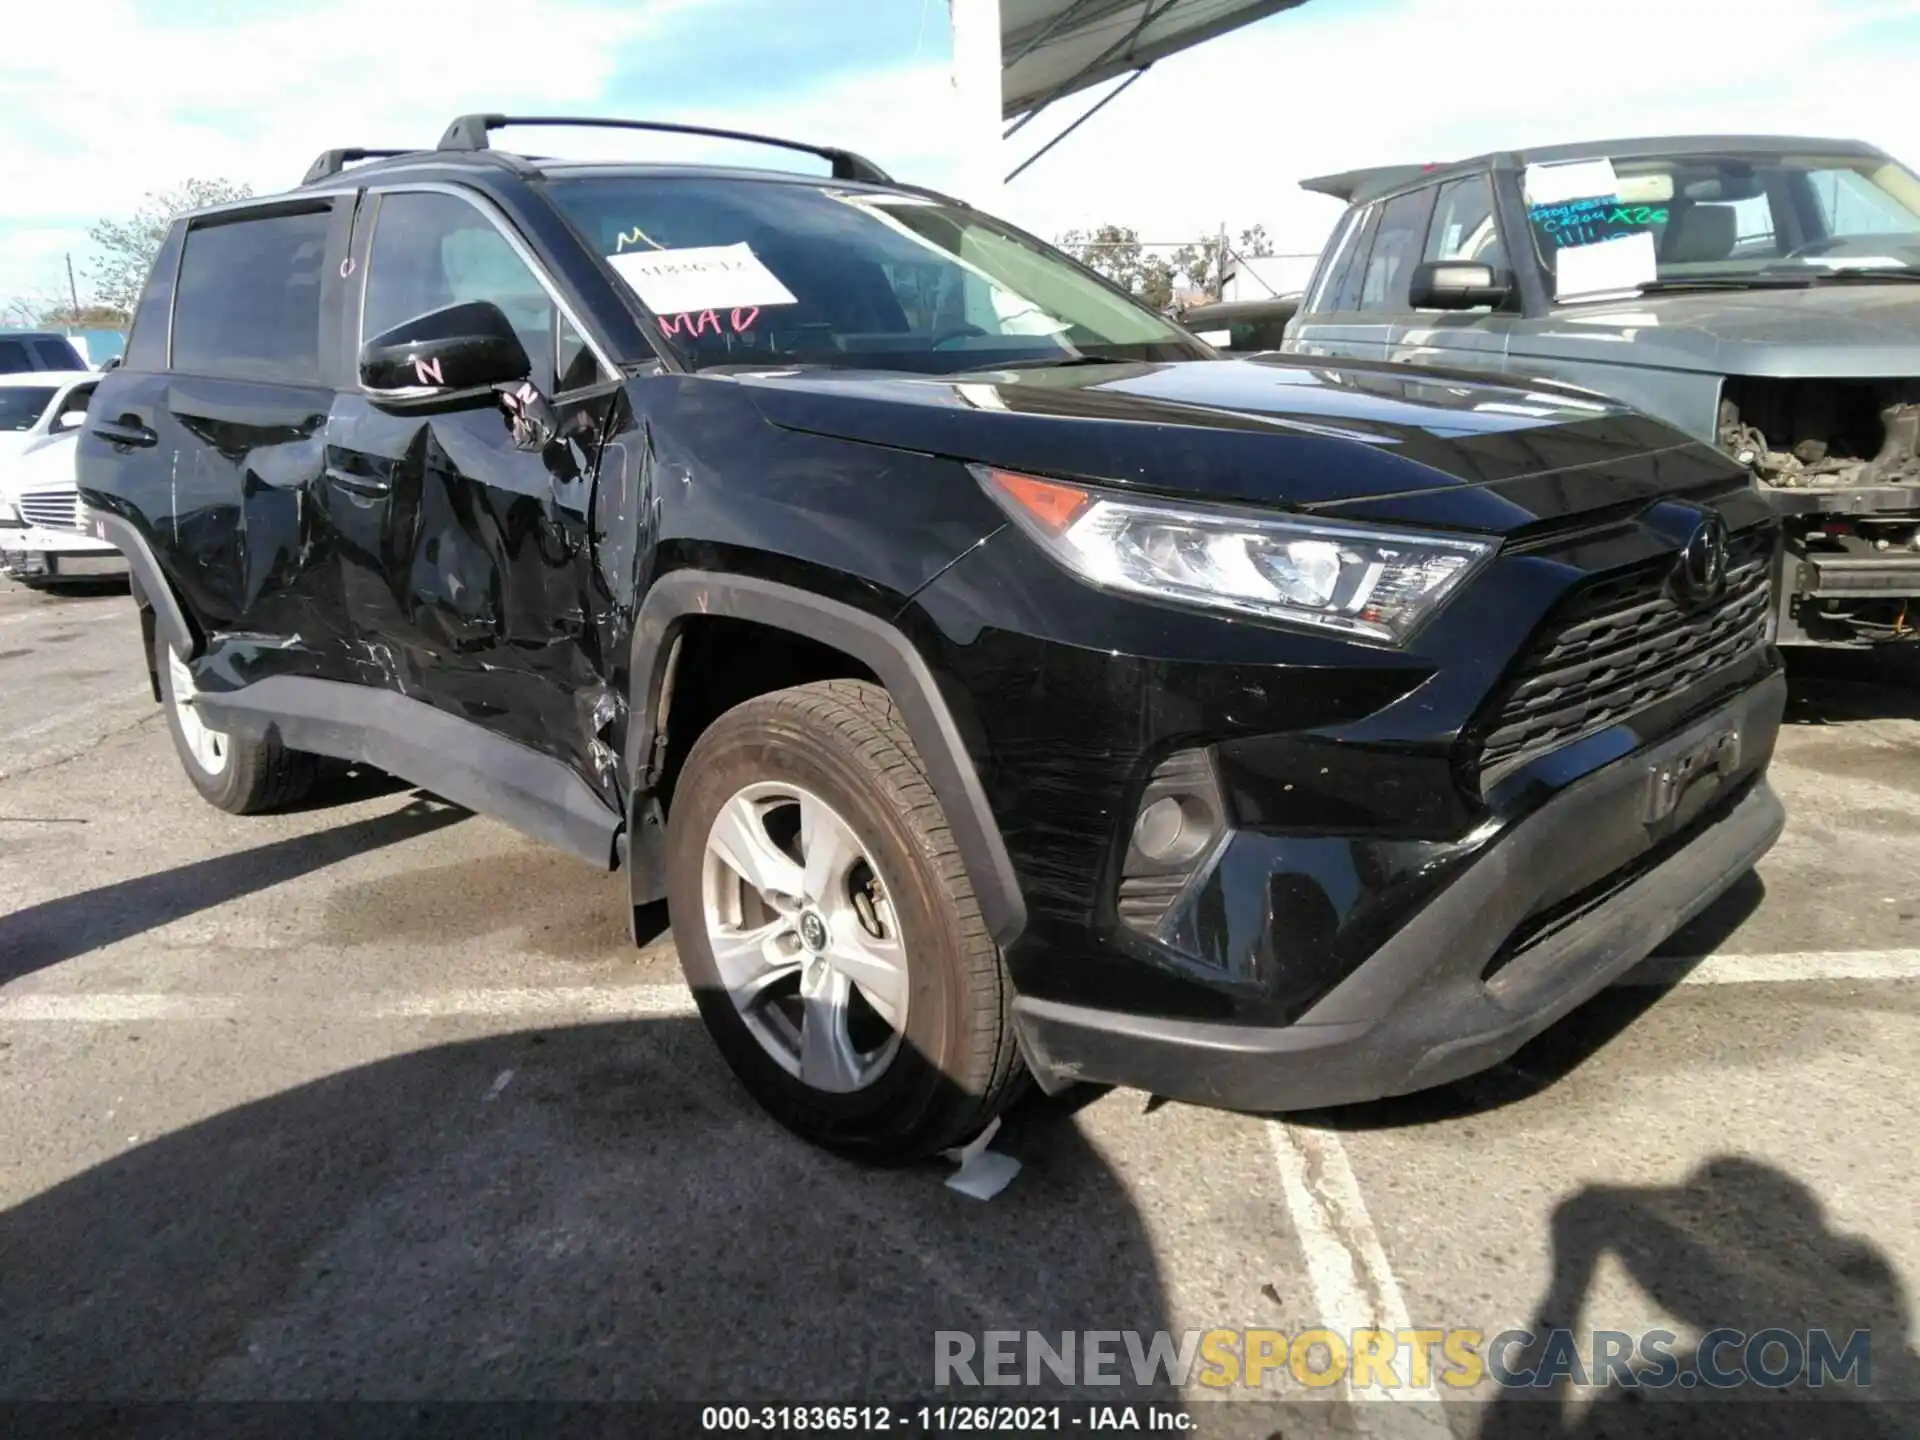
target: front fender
<point>876,644</point>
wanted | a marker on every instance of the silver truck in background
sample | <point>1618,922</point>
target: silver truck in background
<point>1760,292</point>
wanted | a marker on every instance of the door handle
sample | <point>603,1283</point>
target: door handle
<point>127,431</point>
<point>366,485</point>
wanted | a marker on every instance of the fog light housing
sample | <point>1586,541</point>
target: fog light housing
<point>1177,826</point>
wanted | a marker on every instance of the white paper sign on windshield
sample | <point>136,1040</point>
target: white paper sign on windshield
<point>1572,180</point>
<point>701,277</point>
<point>1611,267</point>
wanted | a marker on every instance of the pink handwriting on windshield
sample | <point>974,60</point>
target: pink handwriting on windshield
<point>692,323</point>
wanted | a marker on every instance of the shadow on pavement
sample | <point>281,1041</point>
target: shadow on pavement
<point>1740,1246</point>
<point>592,1212</point>
<point>58,930</point>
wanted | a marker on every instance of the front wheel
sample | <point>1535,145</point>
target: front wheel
<point>828,929</point>
<point>240,776</point>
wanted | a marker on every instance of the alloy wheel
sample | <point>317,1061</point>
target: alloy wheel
<point>804,936</point>
<point>209,746</point>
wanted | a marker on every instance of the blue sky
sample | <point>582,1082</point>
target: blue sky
<point>253,89</point>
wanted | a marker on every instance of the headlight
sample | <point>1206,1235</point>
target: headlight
<point>10,514</point>
<point>1379,584</point>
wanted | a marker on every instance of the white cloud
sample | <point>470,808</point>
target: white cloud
<point>255,99</point>
<point>33,264</point>
<point>1223,133</point>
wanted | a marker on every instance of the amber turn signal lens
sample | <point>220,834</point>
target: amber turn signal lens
<point>1052,504</point>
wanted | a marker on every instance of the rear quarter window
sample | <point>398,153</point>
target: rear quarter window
<point>147,344</point>
<point>247,301</point>
<point>58,355</point>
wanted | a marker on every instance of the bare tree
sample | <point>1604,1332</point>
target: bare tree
<point>127,247</point>
<point>1254,244</point>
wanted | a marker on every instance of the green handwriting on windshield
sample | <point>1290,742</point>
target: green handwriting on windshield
<point>1586,222</point>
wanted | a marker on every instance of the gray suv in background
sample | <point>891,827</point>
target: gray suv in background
<point>1761,293</point>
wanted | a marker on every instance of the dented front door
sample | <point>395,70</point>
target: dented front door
<point>465,554</point>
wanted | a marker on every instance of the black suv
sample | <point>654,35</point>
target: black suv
<point>989,676</point>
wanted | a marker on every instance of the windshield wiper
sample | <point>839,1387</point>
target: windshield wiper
<point>1762,281</point>
<point>1060,363</point>
<point>1874,273</point>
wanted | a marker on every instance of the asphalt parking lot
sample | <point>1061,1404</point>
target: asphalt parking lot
<point>376,1100</point>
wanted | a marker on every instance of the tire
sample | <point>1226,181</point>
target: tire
<point>788,763</point>
<point>240,776</point>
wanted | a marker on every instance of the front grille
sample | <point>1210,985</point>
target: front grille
<point>54,509</point>
<point>1622,645</point>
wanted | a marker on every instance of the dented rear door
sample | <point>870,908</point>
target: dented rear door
<point>465,562</point>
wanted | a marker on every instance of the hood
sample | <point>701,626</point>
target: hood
<point>1845,329</point>
<point>20,442</point>
<point>1282,431</point>
<point>46,464</point>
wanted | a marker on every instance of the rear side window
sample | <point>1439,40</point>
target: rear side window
<point>1403,224</point>
<point>58,355</point>
<point>147,345</point>
<point>247,304</point>
<point>14,358</point>
<point>1339,260</point>
<point>1346,295</point>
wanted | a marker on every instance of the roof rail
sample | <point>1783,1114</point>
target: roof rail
<point>469,132</point>
<point>332,162</point>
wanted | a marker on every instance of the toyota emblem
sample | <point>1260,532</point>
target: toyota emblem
<point>1702,571</point>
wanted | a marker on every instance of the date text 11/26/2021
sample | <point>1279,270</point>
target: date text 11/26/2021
<point>961,1419</point>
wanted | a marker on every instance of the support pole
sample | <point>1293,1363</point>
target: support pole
<point>976,88</point>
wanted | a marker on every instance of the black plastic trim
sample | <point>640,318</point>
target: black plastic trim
<point>152,581</point>
<point>454,758</point>
<point>875,644</point>
<point>1417,1013</point>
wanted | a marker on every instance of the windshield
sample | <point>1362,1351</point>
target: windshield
<point>757,272</point>
<point>1602,226</point>
<point>21,405</point>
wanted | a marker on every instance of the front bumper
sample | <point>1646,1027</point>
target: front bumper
<point>37,553</point>
<point>1448,994</point>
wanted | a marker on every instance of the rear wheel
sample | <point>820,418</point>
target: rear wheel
<point>828,929</point>
<point>238,775</point>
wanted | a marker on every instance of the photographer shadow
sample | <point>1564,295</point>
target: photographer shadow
<point>590,1213</point>
<point>1740,1246</point>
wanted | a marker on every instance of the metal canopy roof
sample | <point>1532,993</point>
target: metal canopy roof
<point>1052,48</point>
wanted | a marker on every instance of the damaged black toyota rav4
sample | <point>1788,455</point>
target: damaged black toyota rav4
<point>989,677</point>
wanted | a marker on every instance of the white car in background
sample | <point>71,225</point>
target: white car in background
<point>41,540</point>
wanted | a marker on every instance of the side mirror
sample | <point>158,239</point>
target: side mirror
<point>1457,285</point>
<point>70,420</point>
<point>467,347</point>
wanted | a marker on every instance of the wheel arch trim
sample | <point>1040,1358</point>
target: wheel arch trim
<point>875,643</point>
<point>150,582</point>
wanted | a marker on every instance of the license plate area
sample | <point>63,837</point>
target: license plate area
<point>1669,781</point>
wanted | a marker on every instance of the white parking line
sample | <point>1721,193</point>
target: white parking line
<point>1353,1285</point>
<point>119,1008</point>
<point>1785,968</point>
